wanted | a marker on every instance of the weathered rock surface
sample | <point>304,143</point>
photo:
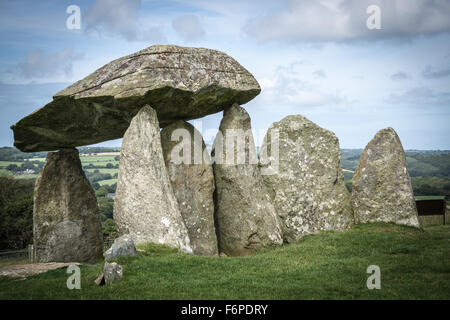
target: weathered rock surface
<point>189,167</point>
<point>245,217</point>
<point>122,247</point>
<point>307,186</point>
<point>145,205</point>
<point>179,82</point>
<point>112,272</point>
<point>381,188</point>
<point>26,270</point>
<point>66,218</point>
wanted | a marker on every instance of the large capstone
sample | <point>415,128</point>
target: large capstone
<point>189,166</point>
<point>300,162</point>
<point>66,218</point>
<point>145,205</point>
<point>178,82</point>
<point>381,189</point>
<point>245,217</point>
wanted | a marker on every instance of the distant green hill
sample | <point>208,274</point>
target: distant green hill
<point>429,170</point>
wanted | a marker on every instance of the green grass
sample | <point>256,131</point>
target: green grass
<point>107,182</point>
<point>330,265</point>
<point>429,197</point>
<point>4,164</point>
<point>4,172</point>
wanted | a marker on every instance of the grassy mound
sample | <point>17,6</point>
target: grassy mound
<point>414,264</point>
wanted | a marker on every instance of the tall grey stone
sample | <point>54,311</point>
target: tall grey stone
<point>179,82</point>
<point>303,174</point>
<point>66,218</point>
<point>189,166</point>
<point>145,205</point>
<point>381,189</point>
<point>245,217</point>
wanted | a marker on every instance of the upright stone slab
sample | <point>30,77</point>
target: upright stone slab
<point>66,218</point>
<point>381,188</point>
<point>145,205</point>
<point>245,217</point>
<point>303,174</point>
<point>189,166</point>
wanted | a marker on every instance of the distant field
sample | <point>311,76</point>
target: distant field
<point>26,176</point>
<point>4,164</point>
<point>430,197</point>
<point>107,182</point>
<point>100,161</point>
<point>4,172</point>
<point>96,158</point>
<point>104,170</point>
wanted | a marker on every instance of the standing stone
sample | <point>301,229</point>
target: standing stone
<point>145,205</point>
<point>245,218</point>
<point>66,218</point>
<point>303,174</point>
<point>189,166</point>
<point>381,188</point>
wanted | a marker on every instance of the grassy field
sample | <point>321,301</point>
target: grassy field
<point>94,159</point>
<point>107,182</point>
<point>414,264</point>
<point>104,170</point>
<point>99,161</point>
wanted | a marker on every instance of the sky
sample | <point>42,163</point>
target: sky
<point>315,58</point>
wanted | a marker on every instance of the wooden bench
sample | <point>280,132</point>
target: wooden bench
<point>431,206</point>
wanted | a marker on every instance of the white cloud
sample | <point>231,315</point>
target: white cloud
<point>114,17</point>
<point>154,36</point>
<point>288,87</point>
<point>431,73</point>
<point>420,96</point>
<point>41,67</point>
<point>320,74</point>
<point>401,75</point>
<point>345,20</point>
<point>188,27</point>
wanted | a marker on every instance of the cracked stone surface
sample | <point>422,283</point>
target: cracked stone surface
<point>381,189</point>
<point>307,188</point>
<point>145,206</point>
<point>245,217</point>
<point>66,219</point>
<point>180,83</point>
<point>192,182</point>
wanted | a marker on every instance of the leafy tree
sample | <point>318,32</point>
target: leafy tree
<point>109,229</point>
<point>106,206</point>
<point>13,168</point>
<point>101,192</point>
<point>95,185</point>
<point>16,213</point>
